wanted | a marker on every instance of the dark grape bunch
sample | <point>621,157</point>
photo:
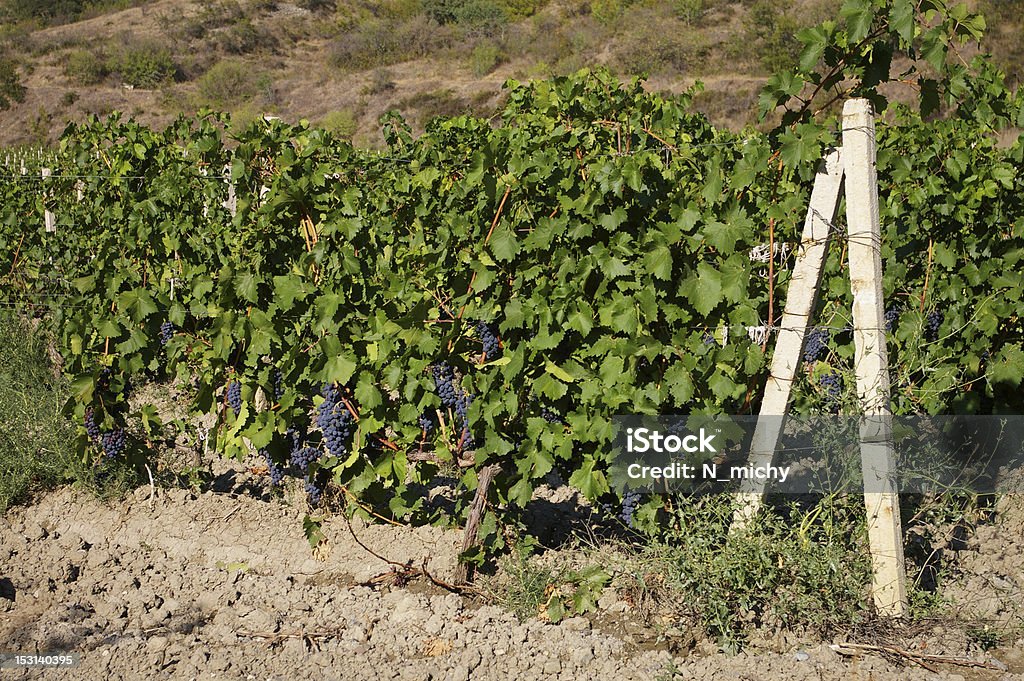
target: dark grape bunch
<point>335,420</point>
<point>235,396</point>
<point>454,397</point>
<point>492,346</point>
<point>832,383</point>
<point>302,455</point>
<point>816,344</point>
<point>114,443</point>
<point>549,416</point>
<point>931,325</point>
<point>709,338</point>
<point>275,471</point>
<point>892,318</point>
<point>462,410</point>
<point>630,502</point>
<point>315,485</point>
<point>103,382</point>
<point>444,384</point>
<point>166,332</point>
<point>92,428</point>
<point>426,423</point>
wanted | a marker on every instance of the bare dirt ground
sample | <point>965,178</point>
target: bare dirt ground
<point>222,585</point>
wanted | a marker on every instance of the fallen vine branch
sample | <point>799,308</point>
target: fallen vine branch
<point>926,661</point>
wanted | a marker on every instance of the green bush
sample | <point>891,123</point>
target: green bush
<point>688,10</point>
<point>770,35</point>
<point>144,65</point>
<point>229,83</point>
<point>518,9</point>
<point>244,37</point>
<point>608,11</point>
<point>36,439</point>
<point>56,11</point>
<point>639,51</point>
<point>376,43</point>
<point>11,89</point>
<point>485,57</point>
<point>342,123</point>
<point>481,17</point>
<point>442,11</point>
<point>795,568</point>
<point>85,67</point>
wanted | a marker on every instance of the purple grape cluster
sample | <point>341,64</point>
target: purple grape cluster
<point>426,423</point>
<point>931,325</point>
<point>492,347</point>
<point>314,491</point>
<point>630,502</point>
<point>709,339</point>
<point>892,318</point>
<point>303,455</point>
<point>103,382</point>
<point>816,344</point>
<point>92,428</point>
<point>550,416</point>
<point>462,410</point>
<point>454,397</point>
<point>235,396</point>
<point>166,332</point>
<point>444,384</point>
<point>114,442</point>
<point>335,420</point>
<point>832,383</point>
<point>275,471</point>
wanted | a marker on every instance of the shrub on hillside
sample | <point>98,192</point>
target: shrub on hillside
<point>85,67</point>
<point>770,36</point>
<point>11,89</point>
<point>229,83</point>
<point>379,43</point>
<point>51,10</point>
<point>144,64</point>
<point>518,9</point>
<point>481,17</point>
<point>342,123</point>
<point>244,37</point>
<point>442,11</point>
<point>638,51</point>
<point>485,58</point>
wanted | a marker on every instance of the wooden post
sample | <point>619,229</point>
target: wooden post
<point>796,317</point>
<point>48,217</point>
<point>476,515</point>
<point>871,360</point>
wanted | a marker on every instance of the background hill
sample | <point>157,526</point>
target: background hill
<point>342,63</point>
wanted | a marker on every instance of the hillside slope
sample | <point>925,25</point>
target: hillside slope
<point>344,64</point>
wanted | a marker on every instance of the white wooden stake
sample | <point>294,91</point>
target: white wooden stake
<point>796,318</point>
<point>48,217</point>
<point>871,361</point>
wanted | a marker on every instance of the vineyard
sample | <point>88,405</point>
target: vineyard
<point>480,301</point>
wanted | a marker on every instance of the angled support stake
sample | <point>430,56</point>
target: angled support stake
<point>796,318</point>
